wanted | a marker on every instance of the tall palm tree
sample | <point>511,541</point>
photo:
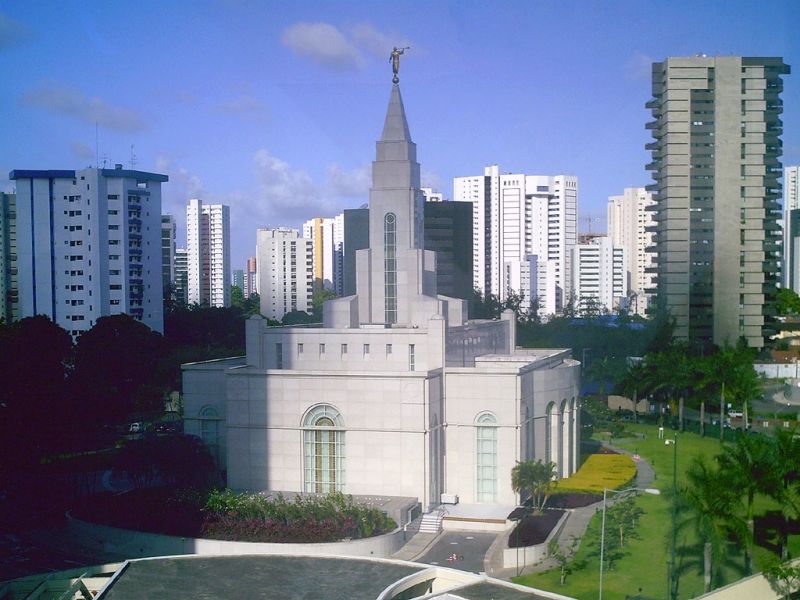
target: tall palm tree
<point>746,466</point>
<point>710,510</point>
<point>785,462</point>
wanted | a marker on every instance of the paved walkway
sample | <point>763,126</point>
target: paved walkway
<point>576,524</point>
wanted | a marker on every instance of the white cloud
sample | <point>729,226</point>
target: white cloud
<point>82,150</point>
<point>348,184</point>
<point>639,66</point>
<point>246,106</point>
<point>69,102</point>
<point>376,42</point>
<point>323,44</point>
<point>431,179</point>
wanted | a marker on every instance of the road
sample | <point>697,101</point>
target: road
<point>468,548</point>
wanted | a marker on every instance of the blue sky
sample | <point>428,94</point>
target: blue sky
<point>274,107</point>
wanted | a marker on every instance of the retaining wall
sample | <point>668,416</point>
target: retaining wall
<point>529,555</point>
<point>139,544</point>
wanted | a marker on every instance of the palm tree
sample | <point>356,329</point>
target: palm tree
<point>710,510</point>
<point>785,462</point>
<point>746,467</point>
<point>535,478</point>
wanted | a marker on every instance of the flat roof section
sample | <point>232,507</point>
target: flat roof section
<point>255,578</point>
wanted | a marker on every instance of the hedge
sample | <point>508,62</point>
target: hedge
<point>600,471</point>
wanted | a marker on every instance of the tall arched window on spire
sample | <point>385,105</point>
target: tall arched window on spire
<point>323,441</point>
<point>390,267</point>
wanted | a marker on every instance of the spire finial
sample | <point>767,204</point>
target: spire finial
<point>394,57</point>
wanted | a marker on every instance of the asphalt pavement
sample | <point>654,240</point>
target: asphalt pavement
<point>462,550</point>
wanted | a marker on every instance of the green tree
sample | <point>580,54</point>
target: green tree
<point>117,369</point>
<point>788,302</point>
<point>709,509</point>
<point>534,479</point>
<point>623,517</point>
<point>237,296</point>
<point>318,300</point>
<point>746,466</point>
<point>566,566</point>
<point>606,371</point>
<point>35,412</point>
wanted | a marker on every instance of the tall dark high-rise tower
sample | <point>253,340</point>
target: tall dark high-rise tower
<point>716,164</point>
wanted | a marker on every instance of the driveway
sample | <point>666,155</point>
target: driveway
<point>469,549</point>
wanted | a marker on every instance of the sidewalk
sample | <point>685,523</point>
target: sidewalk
<point>576,524</point>
<point>416,546</point>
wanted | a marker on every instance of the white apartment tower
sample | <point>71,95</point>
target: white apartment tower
<point>285,272</point>
<point>208,253</point>
<point>89,245</point>
<point>630,225</point>
<point>791,228</point>
<point>516,216</point>
<point>327,239</point>
<point>599,275</point>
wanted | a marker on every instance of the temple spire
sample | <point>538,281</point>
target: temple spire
<point>395,128</point>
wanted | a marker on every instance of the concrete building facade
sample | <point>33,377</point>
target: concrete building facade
<point>630,225</point>
<point>9,287</point>
<point>716,165</point>
<point>285,272</point>
<point>181,276</point>
<point>791,229</point>
<point>396,393</point>
<point>599,275</point>
<point>250,277</point>
<point>208,252</point>
<point>89,245</point>
<point>168,244</point>
<point>327,240</point>
<point>514,217</point>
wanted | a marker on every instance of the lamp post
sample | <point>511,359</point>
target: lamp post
<point>651,491</point>
<point>672,572</point>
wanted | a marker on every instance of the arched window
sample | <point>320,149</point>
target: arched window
<point>209,429</point>
<point>323,450</point>
<point>486,459</point>
<point>390,267</point>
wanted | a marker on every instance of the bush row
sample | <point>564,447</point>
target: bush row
<point>600,471</point>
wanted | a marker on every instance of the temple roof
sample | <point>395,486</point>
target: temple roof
<point>395,128</point>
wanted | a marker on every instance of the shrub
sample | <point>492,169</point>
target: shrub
<point>257,518</point>
<point>600,471</point>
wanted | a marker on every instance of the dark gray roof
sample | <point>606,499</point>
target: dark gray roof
<point>255,578</point>
<point>493,591</point>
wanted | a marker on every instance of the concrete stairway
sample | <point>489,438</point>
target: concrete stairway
<point>431,522</point>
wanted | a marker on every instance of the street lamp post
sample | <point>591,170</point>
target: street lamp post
<point>672,572</point>
<point>652,491</point>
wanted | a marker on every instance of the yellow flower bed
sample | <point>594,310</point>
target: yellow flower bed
<point>600,471</point>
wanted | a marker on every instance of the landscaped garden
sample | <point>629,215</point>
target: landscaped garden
<point>639,564</point>
<point>227,515</point>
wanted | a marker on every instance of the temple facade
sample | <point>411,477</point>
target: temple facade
<point>396,393</point>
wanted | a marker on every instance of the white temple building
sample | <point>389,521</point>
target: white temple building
<point>396,393</point>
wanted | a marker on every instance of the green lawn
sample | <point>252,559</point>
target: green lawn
<point>645,565</point>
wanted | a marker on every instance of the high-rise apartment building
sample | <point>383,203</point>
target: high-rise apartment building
<point>181,276</point>
<point>327,239</point>
<point>89,245</point>
<point>630,225</point>
<point>208,253</point>
<point>168,232</point>
<point>9,293</point>
<point>599,275</point>
<point>716,164</point>
<point>250,278</point>
<point>791,228</point>
<point>514,217</point>
<point>238,279</point>
<point>285,272</point>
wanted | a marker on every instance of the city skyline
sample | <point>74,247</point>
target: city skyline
<point>265,123</point>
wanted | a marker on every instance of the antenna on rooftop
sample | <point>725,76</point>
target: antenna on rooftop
<point>133,158</point>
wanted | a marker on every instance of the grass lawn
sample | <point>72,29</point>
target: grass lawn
<point>645,565</point>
